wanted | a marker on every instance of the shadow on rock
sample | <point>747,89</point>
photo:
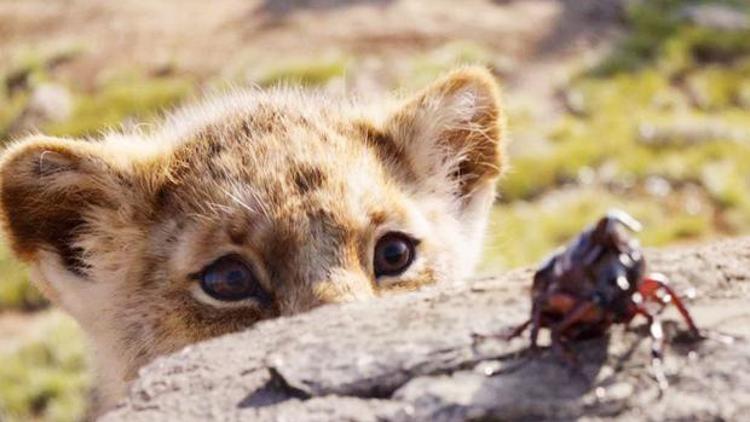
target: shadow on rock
<point>529,385</point>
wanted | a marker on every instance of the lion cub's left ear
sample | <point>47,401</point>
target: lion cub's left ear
<point>451,134</point>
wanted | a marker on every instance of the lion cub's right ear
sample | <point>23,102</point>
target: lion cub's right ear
<point>48,189</point>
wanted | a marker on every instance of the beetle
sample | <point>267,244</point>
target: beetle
<point>598,280</point>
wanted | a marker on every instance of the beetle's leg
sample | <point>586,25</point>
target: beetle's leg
<point>651,285</point>
<point>632,312</point>
<point>655,330</point>
<point>536,324</point>
<point>559,343</point>
<point>518,330</point>
<point>579,312</point>
<point>657,346</point>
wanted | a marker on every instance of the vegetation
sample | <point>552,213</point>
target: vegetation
<point>425,67</point>
<point>310,73</point>
<point>133,99</point>
<point>16,293</point>
<point>525,232</point>
<point>660,127</point>
<point>43,375</point>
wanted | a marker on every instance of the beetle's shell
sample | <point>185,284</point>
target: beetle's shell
<point>602,264</point>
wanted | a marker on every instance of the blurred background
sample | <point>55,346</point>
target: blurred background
<point>641,105</point>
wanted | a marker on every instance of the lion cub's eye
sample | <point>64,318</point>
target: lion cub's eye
<point>394,253</point>
<point>230,279</point>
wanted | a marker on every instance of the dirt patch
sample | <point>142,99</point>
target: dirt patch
<point>15,325</point>
<point>203,38</point>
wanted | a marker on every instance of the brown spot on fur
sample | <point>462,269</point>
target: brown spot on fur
<point>162,198</point>
<point>237,233</point>
<point>383,144</point>
<point>281,248</point>
<point>386,149</point>
<point>377,218</point>
<point>308,178</point>
<point>215,147</point>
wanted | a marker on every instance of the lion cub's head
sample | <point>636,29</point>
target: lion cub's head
<point>251,206</point>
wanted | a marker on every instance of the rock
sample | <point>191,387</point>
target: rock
<point>48,103</point>
<point>431,356</point>
<point>717,16</point>
<point>687,133</point>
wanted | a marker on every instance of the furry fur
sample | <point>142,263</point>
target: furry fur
<point>299,186</point>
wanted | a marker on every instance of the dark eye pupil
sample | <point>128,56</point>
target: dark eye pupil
<point>229,279</point>
<point>393,254</point>
<point>236,278</point>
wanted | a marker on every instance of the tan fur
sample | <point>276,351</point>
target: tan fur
<point>299,186</point>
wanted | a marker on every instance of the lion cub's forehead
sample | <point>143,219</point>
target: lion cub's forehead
<point>276,162</point>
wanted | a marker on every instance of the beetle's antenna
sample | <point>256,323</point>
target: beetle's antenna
<point>625,219</point>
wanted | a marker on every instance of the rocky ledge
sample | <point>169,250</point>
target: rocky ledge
<point>426,356</point>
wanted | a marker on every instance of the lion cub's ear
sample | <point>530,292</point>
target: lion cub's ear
<point>451,133</point>
<point>48,188</point>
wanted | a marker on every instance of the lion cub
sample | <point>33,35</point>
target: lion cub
<point>252,206</point>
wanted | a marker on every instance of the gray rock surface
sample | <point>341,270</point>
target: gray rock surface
<point>426,356</point>
<point>717,16</point>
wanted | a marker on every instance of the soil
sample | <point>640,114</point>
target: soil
<point>541,39</point>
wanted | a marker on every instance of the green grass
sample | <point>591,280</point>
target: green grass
<point>43,374</point>
<point>26,70</point>
<point>427,66</point>
<point>715,88</point>
<point>306,73</point>
<point>644,123</point>
<point>661,36</point>
<point>16,293</point>
<point>10,109</point>
<point>671,102</point>
<point>522,233</point>
<point>136,99</point>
